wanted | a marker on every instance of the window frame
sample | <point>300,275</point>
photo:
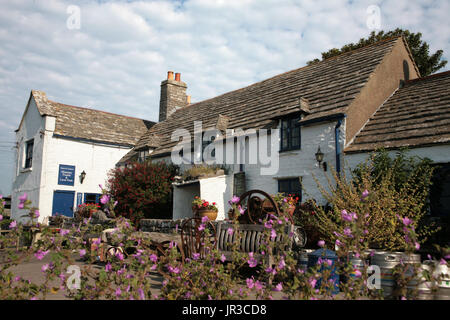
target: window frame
<point>297,193</point>
<point>292,120</point>
<point>28,160</point>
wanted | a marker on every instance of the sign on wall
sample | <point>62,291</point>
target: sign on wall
<point>66,175</point>
<point>79,198</point>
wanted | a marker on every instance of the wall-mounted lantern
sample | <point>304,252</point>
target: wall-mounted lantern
<point>319,158</point>
<point>82,176</point>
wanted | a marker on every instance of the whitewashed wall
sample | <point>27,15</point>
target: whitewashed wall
<point>49,152</point>
<point>28,180</point>
<point>438,153</point>
<point>302,163</point>
<point>291,164</point>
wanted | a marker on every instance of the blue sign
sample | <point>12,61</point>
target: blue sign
<point>66,175</point>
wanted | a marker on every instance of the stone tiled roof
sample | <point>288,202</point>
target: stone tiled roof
<point>90,124</point>
<point>417,114</point>
<point>326,87</point>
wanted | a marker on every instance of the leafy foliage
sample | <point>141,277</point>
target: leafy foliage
<point>426,62</point>
<point>143,190</point>
<point>399,187</point>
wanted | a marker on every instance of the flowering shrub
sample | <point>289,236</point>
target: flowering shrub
<point>198,204</point>
<point>143,190</point>
<point>133,259</point>
<point>388,199</point>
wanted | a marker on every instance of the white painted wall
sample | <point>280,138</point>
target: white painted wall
<point>292,164</point>
<point>49,152</point>
<point>182,200</point>
<point>214,189</point>
<point>218,189</point>
<point>28,180</point>
<point>438,153</point>
<point>302,163</point>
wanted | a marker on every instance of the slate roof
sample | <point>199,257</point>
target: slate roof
<point>417,114</point>
<point>89,124</point>
<point>328,87</point>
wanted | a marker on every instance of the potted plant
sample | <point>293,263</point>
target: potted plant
<point>286,203</point>
<point>202,208</point>
<point>85,210</point>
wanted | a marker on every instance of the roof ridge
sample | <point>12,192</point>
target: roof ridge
<point>431,76</point>
<point>293,70</point>
<point>96,110</point>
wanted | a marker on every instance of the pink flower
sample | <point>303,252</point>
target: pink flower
<point>230,231</point>
<point>250,283</point>
<point>153,258</point>
<point>252,262</point>
<point>175,270</point>
<point>119,256</point>
<point>442,262</point>
<point>278,287</point>
<point>406,221</point>
<point>108,267</point>
<point>205,219</point>
<point>41,254</point>
<point>23,197</point>
<point>118,292</point>
<point>268,224</point>
<point>45,267</point>
<point>195,256</point>
<point>104,199</point>
<point>1,217</point>
<point>273,234</point>
<point>357,273</point>
<point>348,232</point>
<point>338,243</point>
<point>223,258</point>
<point>321,243</point>
<point>201,227</point>
<point>82,252</point>
<point>12,225</point>
<point>365,194</point>
<point>281,264</point>
<point>235,199</point>
<point>241,210</point>
<point>21,205</point>
<point>417,246</point>
<point>141,294</point>
<point>63,232</point>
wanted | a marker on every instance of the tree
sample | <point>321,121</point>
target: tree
<point>426,62</point>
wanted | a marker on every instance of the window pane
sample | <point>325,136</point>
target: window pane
<point>283,186</point>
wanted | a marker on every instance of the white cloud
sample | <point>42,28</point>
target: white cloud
<point>123,50</point>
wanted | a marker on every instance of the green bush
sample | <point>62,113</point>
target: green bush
<point>397,187</point>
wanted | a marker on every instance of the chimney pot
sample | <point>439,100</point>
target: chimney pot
<point>188,100</point>
<point>177,76</point>
<point>170,75</point>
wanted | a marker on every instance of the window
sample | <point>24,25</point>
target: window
<point>92,197</point>
<point>291,186</point>
<point>143,155</point>
<point>290,134</point>
<point>29,154</point>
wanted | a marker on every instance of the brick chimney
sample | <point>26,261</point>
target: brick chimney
<point>173,95</point>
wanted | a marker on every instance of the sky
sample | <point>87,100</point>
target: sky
<point>113,55</point>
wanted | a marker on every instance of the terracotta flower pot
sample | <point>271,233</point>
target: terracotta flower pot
<point>211,214</point>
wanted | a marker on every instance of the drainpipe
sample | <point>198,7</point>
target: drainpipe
<point>337,132</point>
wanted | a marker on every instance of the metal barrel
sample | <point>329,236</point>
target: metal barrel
<point>419,288</point>
<point>443,286</point>
<point>386,261</point>
<point>303,258</point>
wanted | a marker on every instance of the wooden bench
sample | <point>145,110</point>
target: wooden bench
<point>251,236</point>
